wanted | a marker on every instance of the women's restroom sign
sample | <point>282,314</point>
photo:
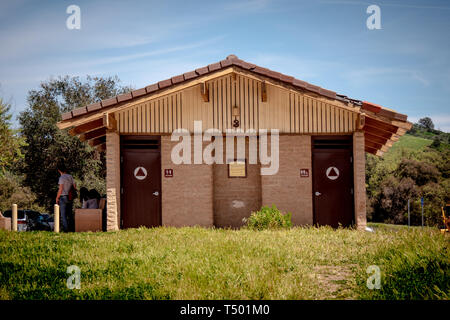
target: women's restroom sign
<point>168,173</point>
<point>140,173</point>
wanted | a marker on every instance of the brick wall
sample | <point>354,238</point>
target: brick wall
<point>359,173</point>
<point>201,194</point>
<point>286,189</point>
<point>235,198</point>
<point>112,180</point>
<point>187,197</point>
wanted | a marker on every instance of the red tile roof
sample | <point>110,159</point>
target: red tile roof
<point>231,60</point>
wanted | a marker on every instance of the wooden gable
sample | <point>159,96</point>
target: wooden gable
<point>230,90</point>
<point>288,110</point>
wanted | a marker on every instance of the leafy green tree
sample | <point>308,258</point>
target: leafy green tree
<point>421,172</point>
<point>12,191</point>
<point>10,142</point>
<point>426,123</point>
<point>47,145</point>
<point>391,201</point>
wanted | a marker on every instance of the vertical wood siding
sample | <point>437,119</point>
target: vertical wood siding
<point>288,111</point>
<point>161,115</point>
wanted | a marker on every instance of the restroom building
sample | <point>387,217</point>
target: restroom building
<point>323,138</point>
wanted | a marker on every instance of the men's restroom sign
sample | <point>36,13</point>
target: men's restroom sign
<point>332,173</point>
<point>140,173</point>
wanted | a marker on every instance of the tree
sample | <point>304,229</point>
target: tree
<point>390,204</point>
<point>12,191</point>
<point>436,143</point>
<point>10,142</point>
<point>426,123</point>
<point>420,171</point>
<point>47,145</point>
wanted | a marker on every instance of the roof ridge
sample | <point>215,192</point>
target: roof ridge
<point>230,60</point>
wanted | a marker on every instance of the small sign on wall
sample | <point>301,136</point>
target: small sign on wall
<point>304,173</point>
<point>168,173</point>
<point>237,168</point>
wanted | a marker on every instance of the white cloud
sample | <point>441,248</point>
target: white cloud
<point>103,26</point>
<point>30,72</point>
<point>364,75</point>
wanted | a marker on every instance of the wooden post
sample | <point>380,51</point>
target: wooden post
<point>56,218</point>
<point>14,217</point>
<point>360,121</point>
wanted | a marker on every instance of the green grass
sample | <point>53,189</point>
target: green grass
<point>200,263</point>
<point>411,143</point>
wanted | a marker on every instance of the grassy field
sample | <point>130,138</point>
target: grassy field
<point>200,263</point>
<point>410,143</point>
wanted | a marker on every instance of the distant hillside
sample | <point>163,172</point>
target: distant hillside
<point>411,143</point>
<point>425,129</point>
<point>415,166</point>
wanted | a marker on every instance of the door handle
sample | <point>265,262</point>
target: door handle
<point>317,193</point>
<point>156,193</point>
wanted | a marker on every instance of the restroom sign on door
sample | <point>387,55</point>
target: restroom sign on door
<point>332,173</point>
<point>140,173</point>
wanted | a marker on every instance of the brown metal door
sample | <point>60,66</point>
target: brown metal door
<point>333,181</point>
<point>141,182</point>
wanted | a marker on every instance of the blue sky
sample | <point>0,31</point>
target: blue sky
<point>404,66</point>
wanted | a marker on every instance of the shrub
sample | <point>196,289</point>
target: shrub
<point>421,172</point>
<point>390,204</point>
<point>268,218</point>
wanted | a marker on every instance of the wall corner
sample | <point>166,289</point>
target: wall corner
<point>359,176</point>
<point>112,180</point>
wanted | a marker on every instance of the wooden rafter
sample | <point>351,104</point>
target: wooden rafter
<point>401,131</point>
<point>109,121</point>
<point>376,145</point>
<point>375,138</point>
<point>380,125</point>
<point>85,127</point>
<point>381,133</point>
<point>370,150</point>
<point>383,116</point>
<point>360,121</point>
<point>378,132</point>
<point>404,125</point>
<point>93,134</point>
<point>97,141</point>
<point>374,151</point>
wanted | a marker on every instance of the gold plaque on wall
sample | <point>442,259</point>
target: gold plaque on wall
<point>237,168</point>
